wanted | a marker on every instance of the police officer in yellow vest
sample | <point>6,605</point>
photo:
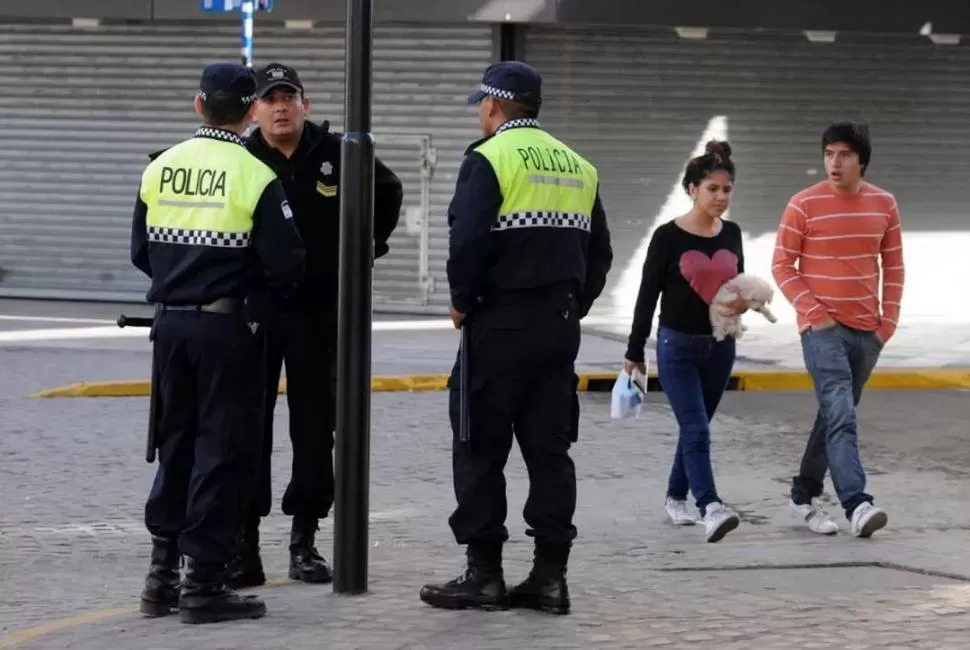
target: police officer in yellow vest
<point>529,253</point>
<point>209,218</point>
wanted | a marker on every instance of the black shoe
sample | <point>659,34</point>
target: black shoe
<point>306,564</point>
<point>545,590</point>
<point>205,598</point>
<point>481,586</point>
<point>246,568</point>
<point>161,594</point>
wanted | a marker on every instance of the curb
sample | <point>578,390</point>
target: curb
<point>593,382</point>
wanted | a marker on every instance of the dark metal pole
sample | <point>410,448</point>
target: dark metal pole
<point>352,459</point>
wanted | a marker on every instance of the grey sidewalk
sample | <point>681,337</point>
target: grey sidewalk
<point>432,348</point>
<point>74,483</point>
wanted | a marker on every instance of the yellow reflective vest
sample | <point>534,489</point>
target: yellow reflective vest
<point>203,192</point>
<point>542,180</point>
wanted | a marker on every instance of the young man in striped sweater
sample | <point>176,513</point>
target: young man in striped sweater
<point>832,238</point>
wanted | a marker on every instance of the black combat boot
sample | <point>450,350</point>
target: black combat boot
<point>205,598</point>
<point>481,586</point>
<point>544,590</point>
<point>161,594</point>
<point>246,567</point>
<point>306,564</point>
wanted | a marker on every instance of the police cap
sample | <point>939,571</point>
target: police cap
<point>511,80</point>
<point>230,79</point>
<point>274,75</point>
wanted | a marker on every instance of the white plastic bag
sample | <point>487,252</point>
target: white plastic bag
<point>627,397</point>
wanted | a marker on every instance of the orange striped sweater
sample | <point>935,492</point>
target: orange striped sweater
<point>837,240</point>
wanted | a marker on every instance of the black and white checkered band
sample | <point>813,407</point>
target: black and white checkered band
<point>219,134</point>
<point>198,237</point>
<point>497,92</point>
<point>542,220</point>
<point>518,123</point>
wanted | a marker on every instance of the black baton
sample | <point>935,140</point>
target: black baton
<point>134,321</point>
<point>464,426</point>
<point>151,442</point>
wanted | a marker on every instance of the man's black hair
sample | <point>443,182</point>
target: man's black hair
<point>223,109</point>
<point>517,110</point>
<point>855,135</point>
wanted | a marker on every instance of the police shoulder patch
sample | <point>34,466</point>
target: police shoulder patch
<point>287,212</point>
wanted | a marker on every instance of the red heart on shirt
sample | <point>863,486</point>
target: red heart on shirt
<point>706,274</point>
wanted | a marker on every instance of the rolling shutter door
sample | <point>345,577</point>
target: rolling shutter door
<point>84,107</point>
<point>640,103</point>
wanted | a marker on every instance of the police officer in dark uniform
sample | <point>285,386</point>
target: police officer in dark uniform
<point>302,329</point>
<point>209,218</point>
<point>529,253</point>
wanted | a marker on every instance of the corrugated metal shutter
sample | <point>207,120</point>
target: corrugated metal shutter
<point>83,108</point>
<point>639,103</point>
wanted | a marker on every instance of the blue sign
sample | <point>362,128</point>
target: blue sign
<point>213,6</point>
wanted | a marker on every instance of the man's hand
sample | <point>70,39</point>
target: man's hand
<point>456,317</point>
<point>827,324</point>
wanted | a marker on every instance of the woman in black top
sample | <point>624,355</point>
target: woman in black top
<point>688,260</point>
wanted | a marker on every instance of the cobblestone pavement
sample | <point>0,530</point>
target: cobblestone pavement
<point>72,542</point>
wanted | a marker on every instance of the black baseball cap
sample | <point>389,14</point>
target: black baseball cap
<point>228,78</point>
<point>512,80</point>
<point>277,74</point>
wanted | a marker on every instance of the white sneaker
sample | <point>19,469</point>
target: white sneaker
<point>678,513</point>
<point>718,522</point>
<point>817,519</point>
<point>867,519</point>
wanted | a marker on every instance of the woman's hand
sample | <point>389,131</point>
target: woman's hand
<point>630,366</point>
<point>734,308</point>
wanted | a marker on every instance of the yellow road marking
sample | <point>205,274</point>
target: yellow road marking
<point>747,380</point>
<point>88,618</point>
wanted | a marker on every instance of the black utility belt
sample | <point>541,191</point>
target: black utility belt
<point>218,306</point>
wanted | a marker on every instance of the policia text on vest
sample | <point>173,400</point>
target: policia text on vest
<point>193,182</point>
<point>548,160</point>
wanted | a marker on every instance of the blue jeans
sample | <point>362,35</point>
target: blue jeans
<point>693,371</point>
<point>840,360</point>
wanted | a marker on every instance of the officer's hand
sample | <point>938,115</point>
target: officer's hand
<point>630,366</point>
<point>456,317</point>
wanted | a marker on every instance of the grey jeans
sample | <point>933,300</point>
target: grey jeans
<point>840,360</point>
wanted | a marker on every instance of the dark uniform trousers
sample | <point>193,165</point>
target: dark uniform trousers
<point>208,445</point>
<point>305,336</point>
<point>522,383</point>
